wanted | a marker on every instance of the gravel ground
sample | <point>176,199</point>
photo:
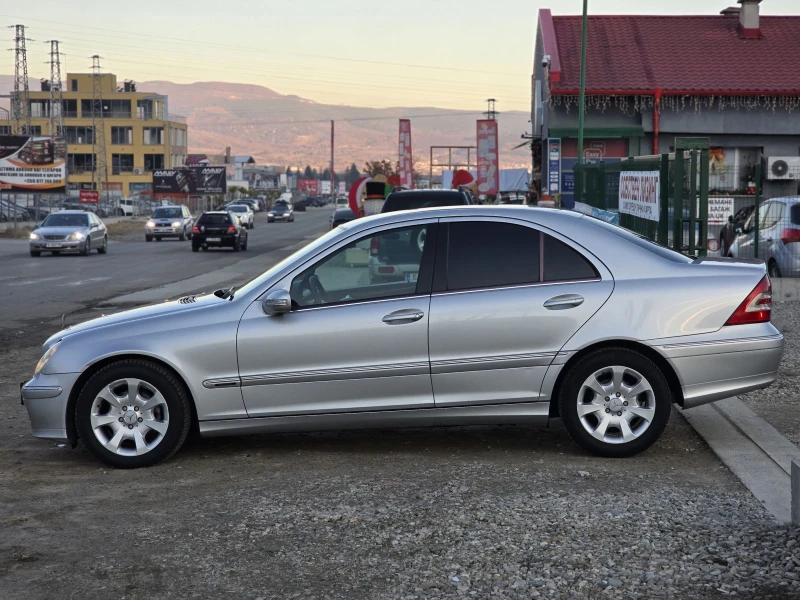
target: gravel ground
<point>779,404</point>
<point>487,512</point>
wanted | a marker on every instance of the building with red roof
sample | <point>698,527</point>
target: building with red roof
<point>732,77</point>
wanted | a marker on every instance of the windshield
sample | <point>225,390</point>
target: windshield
<point>168,212</point>
<point>320,242</point>
<point>239,208</point>
<point>57,220</point>
<point>342,202</point>
<point>279,208</point>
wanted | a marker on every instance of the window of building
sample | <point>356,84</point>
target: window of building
<point>121,163</point>
<point>177,136</point>
<point>114,109</point>
<point>144,109</point>
<point>122,135</point>
<point>39,109</point>
<point>485,254</point>
<point>69,108</point>
<point>153,162</point>
<point>5,129</point>
<point>562,263</point>
<point>153,136</point>
<point>80,163</point>
<point>79,134</point>
<point>73,84</point>
<point>32,130</point>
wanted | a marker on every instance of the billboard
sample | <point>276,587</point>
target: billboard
<point>639,194</point>
<point>33,164</point>
<point>307,185</point>
<point>488,158</point>
<point>88,197</point>
<point>190,180</point>
<point>325,187</point>
<point>406,170</point>
<point>342,187</point>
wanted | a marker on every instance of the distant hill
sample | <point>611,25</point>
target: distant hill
<point>289,130</point>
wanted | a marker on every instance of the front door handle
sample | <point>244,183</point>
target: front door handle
<point>564,302</point>
<point>407,315</point>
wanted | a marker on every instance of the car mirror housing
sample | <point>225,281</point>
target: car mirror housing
<point>277,302</point>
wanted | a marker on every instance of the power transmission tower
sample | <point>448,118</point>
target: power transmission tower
<point>491,113</point>
<point>56,89</point>
<point>100,171</point>
<point>20,104</point>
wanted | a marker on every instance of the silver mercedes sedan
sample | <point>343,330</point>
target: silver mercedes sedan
<point>510,315</point>
<point>69,231</point>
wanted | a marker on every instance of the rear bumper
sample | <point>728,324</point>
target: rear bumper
<point>45,398</point>
<point>225,241</point>
<point>713,369</point>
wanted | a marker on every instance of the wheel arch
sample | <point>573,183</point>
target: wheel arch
<point>660,361</point>
<point>72,433</point>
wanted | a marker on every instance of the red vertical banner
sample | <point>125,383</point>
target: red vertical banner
<point>406,170</point>
<point>488,158</point>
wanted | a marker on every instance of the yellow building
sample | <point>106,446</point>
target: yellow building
<point>141,135</point>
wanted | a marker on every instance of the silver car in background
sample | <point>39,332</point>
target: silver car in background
<point>516,315</point>
<point>778,237</point>
<point>69,231</point>
<point>245,214</point>
<point>169,221</point>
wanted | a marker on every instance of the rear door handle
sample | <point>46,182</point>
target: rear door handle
<point>406,315</point>
<point>564,302</point>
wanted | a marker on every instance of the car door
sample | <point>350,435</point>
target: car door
<point>355,340</point>
<point>506,298</point>
<point>95,231</point>
<point>769,216</point>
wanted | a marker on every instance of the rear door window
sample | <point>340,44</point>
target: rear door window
<point>563,263</point>
<point>795,214</point>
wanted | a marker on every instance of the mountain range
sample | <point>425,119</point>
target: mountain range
<point>278,129</point>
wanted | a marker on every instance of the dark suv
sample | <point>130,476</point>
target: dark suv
<point>413,199</point>
<point>219,229</point>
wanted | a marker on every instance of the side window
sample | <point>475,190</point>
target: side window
<point>485,254</point>
<point>383,265</point>
<point>562,263</point>
<point>770,214</point>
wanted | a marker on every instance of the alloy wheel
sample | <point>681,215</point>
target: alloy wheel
<point>616,404</point>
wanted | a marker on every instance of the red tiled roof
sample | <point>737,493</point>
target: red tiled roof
<point>679,54</point>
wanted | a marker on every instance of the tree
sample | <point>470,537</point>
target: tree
<point>374,168</point>
<point>288,170</point>
<point>308,173</point>
<point>326,175</point>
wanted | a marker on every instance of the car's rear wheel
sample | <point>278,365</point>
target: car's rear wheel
<point>237,245</point>
<point>615,402</point>
<point>253,225</point>
<point>104,248</point>
<point>195,247</point>
<point>774,269</point>
<point>133,413</point>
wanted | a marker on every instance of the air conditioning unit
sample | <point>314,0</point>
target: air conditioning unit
<point>783,167</point>
<point>138,171</point>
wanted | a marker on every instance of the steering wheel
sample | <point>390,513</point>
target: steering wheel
<point>315,285</point>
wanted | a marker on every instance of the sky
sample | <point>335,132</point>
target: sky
<point>432,53</point>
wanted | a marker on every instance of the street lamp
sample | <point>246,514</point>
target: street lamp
<point>582,89</point>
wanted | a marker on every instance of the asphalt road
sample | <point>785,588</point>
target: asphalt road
<point>49,286</point>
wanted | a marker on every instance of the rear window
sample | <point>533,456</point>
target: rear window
<point>168,212</point>
<point>640,241</point>
<point>237,209</point>
<point>415,200</point>
<point>208,219</point>
<point>794,211</point>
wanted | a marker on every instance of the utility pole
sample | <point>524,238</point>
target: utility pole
<point>56,89</point>
<point>20,104</point>
<point>582,90</point>
<point>100,170</point>
<point>333,176</point>
<point>491,113</point>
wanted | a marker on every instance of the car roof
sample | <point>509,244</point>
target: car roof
<point>71,212</point>
<point>427,191</point>
<point>215,212</point>
<point>784,199</point>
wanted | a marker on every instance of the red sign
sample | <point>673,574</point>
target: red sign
<point>595,149</point>
<point>88,197</point>
<point>307,185</point>
<point>406,164</point>
<point>488,158</point>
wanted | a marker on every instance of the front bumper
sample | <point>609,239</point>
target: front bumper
<point>164,231</point>
<point>57,245</point>
<point>45,397</point>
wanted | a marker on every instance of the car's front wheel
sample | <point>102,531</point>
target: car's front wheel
<point>133,413</point>
<point>615,402</point>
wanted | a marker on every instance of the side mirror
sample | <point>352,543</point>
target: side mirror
<point>276,303</point>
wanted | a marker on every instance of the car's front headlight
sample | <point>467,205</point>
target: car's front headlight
<point>150,224</point>
<point>35,236</point>
<point>45,359</point>
<point>176,224</point>
<point>270,214</point>
<point>77,236</point>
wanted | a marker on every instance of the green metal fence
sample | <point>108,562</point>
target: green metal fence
<point>681,222</point>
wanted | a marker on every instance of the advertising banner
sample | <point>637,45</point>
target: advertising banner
<point>325,187</point>
<point>406,170</point>
<point>307,185</point>
<point>192,180</point>
<point>719,209</point>
<point>36,164</point>
<point>554,166</point>
<point>88,197</point>
<point>639,194</point>
<point>284,181</point>
<point>488,158</point>
<point>342,187</point>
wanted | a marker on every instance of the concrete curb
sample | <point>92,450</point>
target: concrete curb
<point>752,449</point>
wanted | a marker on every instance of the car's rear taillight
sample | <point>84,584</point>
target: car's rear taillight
<point>385,269</point>
<point>756,308</point>
<point>195,229</point>
<point>375,246</point>
<point>790,235</point>
<point>231,229</point>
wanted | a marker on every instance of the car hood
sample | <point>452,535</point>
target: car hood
<point>136,314</point>
<point>60,230</point>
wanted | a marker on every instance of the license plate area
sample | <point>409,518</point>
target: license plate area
<point>53,245</point>
<point>412,277</point>
<point>213,239</point>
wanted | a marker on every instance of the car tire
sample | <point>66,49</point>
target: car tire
<point>104,248</point>
<point>195,247</point>
<point>244,246</point>
<point>182,236</point>
<point>87,247</point>
<point>253,225</point>
<point>36,253</point>
<point>107,439</point>
<point>148,238</point>
<point>237,245</point>
<point>774,270</point>
<point>585,411</point>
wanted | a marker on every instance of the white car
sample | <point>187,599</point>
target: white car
<point>245,214</point>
